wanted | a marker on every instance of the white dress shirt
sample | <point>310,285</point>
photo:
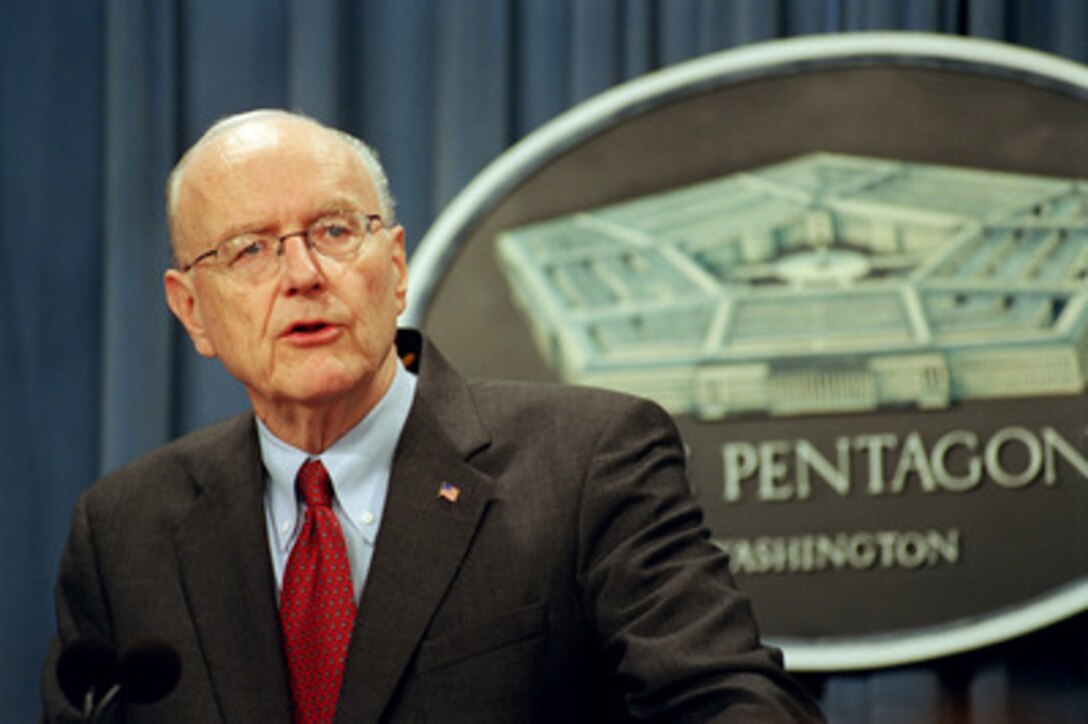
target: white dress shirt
<point>359,465</point>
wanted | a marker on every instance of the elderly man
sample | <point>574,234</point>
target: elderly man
<point>379,539</point>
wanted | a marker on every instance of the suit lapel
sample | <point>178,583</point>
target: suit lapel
<point>422,541</point>
<point>226,572</point>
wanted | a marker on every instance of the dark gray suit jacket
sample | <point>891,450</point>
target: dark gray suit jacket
<point>571,581</point>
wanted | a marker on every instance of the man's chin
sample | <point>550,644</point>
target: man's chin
<point>322,393</point>
<point>313,392</point>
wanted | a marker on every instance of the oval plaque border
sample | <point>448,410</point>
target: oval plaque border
<point>453,226</point>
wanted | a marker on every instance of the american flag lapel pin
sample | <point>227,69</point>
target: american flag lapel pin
<point>449,492</point>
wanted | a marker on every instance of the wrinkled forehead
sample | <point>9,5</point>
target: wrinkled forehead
<point>243,158</point>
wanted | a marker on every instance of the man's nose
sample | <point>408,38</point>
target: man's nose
<point>301,268</point>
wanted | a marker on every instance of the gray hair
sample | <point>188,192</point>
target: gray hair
<point>367,155</point>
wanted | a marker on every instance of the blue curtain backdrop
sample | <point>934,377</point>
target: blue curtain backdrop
<point>98,98</point>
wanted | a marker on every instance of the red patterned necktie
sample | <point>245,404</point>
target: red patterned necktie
<point>317,608</point>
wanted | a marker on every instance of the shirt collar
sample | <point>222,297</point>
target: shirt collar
<point>359,464</point>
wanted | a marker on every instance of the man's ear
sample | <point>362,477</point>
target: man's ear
<point>400,266</point>
<point>181,297</point>
<point>400,262</point>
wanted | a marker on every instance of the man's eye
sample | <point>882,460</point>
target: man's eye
<point>247,250</point>
<point>333,232</point>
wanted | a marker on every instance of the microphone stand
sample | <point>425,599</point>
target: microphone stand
<point>92,712</point>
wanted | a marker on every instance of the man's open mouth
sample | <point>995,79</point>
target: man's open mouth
<point>308,327</point>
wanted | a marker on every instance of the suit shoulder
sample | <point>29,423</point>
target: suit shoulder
<point>571,406</point>
<point>153,472</point>
<point>553,393</point>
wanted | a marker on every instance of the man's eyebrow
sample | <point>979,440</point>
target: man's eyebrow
<point>336,205</point>
<point>242,229</point>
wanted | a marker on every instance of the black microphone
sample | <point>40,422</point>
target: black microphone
<point>92,677</point>
<point>86,670</point>
<point>148,670</point>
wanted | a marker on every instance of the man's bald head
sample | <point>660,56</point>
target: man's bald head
<point>237,128</point>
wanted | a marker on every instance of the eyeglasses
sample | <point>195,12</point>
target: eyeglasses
<point>255,256</point>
